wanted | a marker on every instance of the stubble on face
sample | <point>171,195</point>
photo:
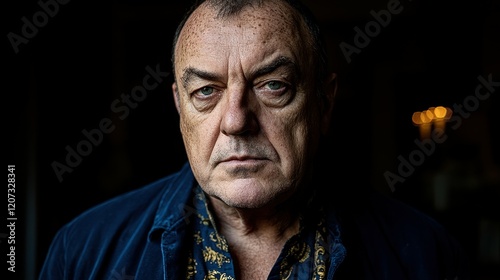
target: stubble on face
<point>264,161</point>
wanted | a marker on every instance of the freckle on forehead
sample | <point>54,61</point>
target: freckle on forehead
<point>268,19</point>
<point>192,31</point>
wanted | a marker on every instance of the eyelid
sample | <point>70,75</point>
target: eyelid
<point>265,82</point>
<point>274,98</point>
<point>196,94</point>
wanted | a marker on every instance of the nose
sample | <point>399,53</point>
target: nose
<point>239,112</point>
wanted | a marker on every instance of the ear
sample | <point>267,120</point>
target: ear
<point>330,91</point>
<point>175,93</point>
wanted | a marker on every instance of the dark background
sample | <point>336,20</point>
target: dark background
<point>65,78</point>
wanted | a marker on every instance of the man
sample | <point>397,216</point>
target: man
<point>254,99</point>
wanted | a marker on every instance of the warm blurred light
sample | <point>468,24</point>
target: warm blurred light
<point>424,117</point>
<point>415,118</point>
<point>440,112</point>
<point>425,130</point>
<point>449,112</point>
<point>432,117</point>
<point>430,113</point>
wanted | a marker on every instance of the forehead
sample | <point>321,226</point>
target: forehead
<point>255,29</point>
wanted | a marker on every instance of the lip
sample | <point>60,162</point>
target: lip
<point>241,159</point>
<point>244,159</point>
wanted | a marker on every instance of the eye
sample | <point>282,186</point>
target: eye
<point>206,90</point>
<point>274,93</point>
<point>275,85</point>
<point>205,97</point>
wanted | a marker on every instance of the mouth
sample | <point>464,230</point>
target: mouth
<point>242,166</point>
<point>242,159</point>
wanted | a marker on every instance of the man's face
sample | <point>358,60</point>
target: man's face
<point>248,113</point>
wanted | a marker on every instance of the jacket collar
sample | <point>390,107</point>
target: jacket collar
<point>173,210</point>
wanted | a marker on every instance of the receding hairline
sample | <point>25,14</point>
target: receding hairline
<point>225,9</point>
<point>223,12</point>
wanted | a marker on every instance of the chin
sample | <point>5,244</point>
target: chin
<point>246,194</point>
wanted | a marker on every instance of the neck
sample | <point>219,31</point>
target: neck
<point>257,236</point>
<point>275,223</point>
<point>270,223</point>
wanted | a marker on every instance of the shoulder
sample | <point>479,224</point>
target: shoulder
<point>115,228</point>
<point>395,216</point>
<point>410,230</point>
<point>375,211</point>
<point>397,238</point>
<point>134,206</point>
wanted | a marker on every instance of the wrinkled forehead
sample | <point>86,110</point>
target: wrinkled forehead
<point>271,23</point>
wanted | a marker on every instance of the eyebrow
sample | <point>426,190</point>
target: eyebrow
<point>192,73</point>
<point>273,65</point>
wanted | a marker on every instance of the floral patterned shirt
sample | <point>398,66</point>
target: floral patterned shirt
<point>304,256</point>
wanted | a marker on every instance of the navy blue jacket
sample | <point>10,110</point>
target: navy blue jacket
<point>140,235</point>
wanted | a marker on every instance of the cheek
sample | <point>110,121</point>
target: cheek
<point>190,130</point>
<point>298,142</point>
<point>289,136</point>
<point>198,134</point>
<point>296,133</point>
